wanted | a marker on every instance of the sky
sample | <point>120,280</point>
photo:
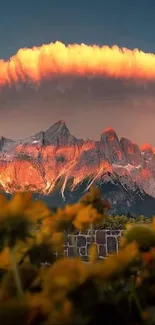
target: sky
<point>87,101</point>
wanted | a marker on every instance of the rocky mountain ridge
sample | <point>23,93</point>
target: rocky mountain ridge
<point>40,162</point>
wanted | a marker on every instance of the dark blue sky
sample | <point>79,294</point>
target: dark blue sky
<point>34,22</point>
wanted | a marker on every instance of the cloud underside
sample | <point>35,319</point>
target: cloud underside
<point>80,88</point>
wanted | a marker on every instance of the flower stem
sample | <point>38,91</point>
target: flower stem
<point>15,272</point>
<point>91,233</point>
<point>136,300</point>
<point>74,244</point>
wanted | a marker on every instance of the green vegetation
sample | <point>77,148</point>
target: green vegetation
<point>38,288</point>
<point>119,222</point>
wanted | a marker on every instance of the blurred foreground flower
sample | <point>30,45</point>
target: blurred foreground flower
<point>62,220</point>
<point>93,197</point>
<point>93,253</point>
<point>59,281</point>
<point>86,216</point>
<point>39,249</point>
<point>57,241</point>
<point>16,217</point>
<point>115,264</point>
<point>66,274</point>
<point>143,235</point>
<point>89,211</point>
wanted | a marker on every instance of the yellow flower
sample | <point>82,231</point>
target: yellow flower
<point>122,242</point>
<point>128,226</point>
<point>17,215</point>
<point>57,241</point>
<point>19,202</point>
<point>5,259</point>
<point>47,226</point>
<point>21,249</point>
<point>65,275</point>
<point>86,215</point>
<point>94,198</point>
<point>63,218</point>
<point>143,235</point>
<point>37,210</point>
<point>38,239</point>
<point>71,210</point>
<point>40,302</point>
<point>115,264</point>
<point>22,205</point>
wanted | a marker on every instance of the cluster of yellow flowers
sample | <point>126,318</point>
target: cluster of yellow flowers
<point>20,212</point>
<point>22,205</point>
<point>89,211</point>
<point>17,215</point>
<point>71,217</point>
<point>68,275</point>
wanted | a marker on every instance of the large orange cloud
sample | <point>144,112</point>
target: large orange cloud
<point>55,59</point>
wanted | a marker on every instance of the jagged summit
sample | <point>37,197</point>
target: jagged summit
<point>60,122</point>
<point>58,134</point>
<point>5,143</point>
<point>146,147</point>
<point>109,134</point>
<point>108,130</point>
<point>58,127</point>
<point>6,139</point>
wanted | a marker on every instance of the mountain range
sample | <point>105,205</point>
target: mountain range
<point>58,167</point>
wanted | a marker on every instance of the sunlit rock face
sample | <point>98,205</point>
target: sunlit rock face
<point>111,148</point>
